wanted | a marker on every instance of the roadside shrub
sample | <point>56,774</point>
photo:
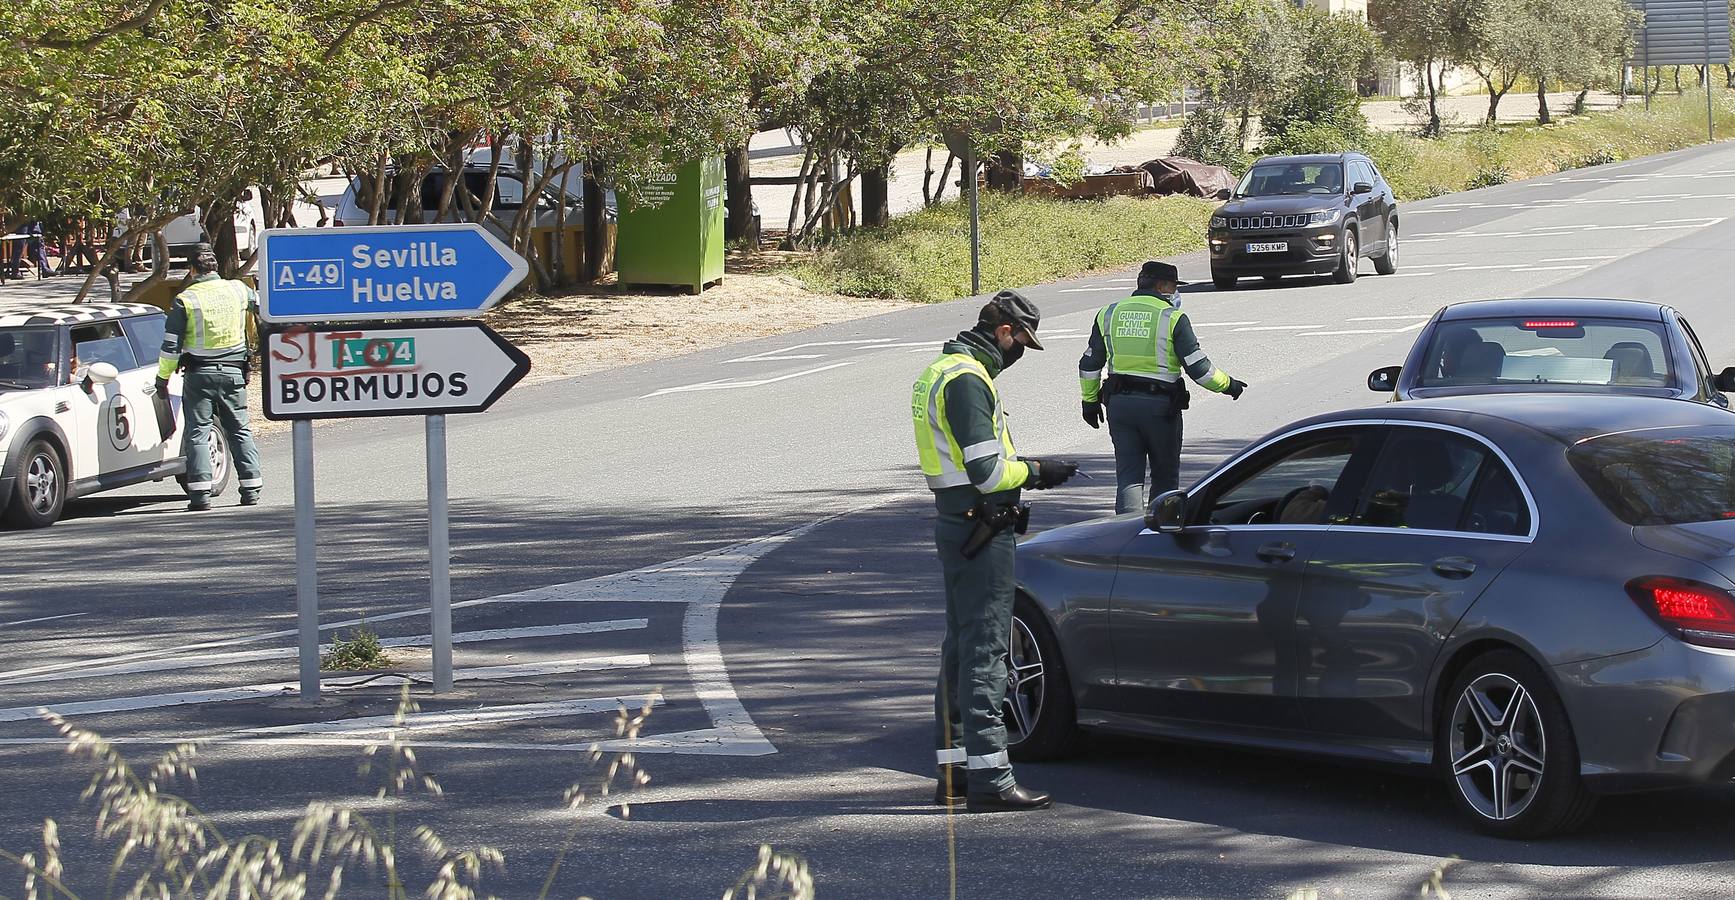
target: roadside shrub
<point>1205,136</point>
<point>1318,117</point>
<point>925,256</point>
<point>1488,178</point>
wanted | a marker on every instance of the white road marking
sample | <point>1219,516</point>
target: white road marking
<point>1497,266</point>
<point>460,718</point>
<point>1087,290</point>
<point>785,353</point>
<point>1410,274</point>
<point>1410,327</point>
<point>283,688</point>
<point>178,663</point>
<point>1198,325</point>
<point>1575,258</point>
<point>42,619</point>
<point>725,384</point>
<point>1388,318</point>
<point>1276,328</point>
<point>1410,265</point>
<point>1550,268</point>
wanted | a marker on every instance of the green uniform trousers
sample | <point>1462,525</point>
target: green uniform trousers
<point>1146,431</point>
<point>217,396</point>
<point>970,697</point>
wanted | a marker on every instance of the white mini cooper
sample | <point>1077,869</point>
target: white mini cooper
<point>78,408</point>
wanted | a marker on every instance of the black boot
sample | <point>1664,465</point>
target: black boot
<point>198,501</point>
<point>250,498</point>
<point>951,786</point>
<point>1012,799</point>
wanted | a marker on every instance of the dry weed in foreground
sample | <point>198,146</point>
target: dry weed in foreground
<point>1434,887</point>
<point>168,848</point>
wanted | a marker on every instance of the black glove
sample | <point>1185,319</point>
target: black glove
<point>162,387</point>
<point>1236,386</point>
<point>1093,413</point>
<point>1047,473</point>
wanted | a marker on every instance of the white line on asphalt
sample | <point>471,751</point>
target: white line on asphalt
<point>1087,290</point>
<point>42,619</point>
<point>1411,327</point>
<point>1550,268</point>
<point>1410,265</point>
<point>773,355</point>
<point>461,718</point>
<point>1198,325</point>
<point>178,663</point>
<point>1575,258</point>
<point>1498,266</point>
<point>1410,275</point>
<point>1276,328</point>
<point>723,385</point>
<point>285,688</point>
<point>1388,318</point>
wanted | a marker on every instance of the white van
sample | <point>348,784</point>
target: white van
<point>184,233</point>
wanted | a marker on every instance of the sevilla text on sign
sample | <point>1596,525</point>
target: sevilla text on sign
<point>380,273</point>
<point>412,369</point>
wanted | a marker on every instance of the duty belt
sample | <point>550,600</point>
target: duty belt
<point>1132,384</point>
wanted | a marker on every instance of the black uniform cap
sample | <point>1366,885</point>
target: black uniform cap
<point>1012,308</point>
<point>1155,271</point>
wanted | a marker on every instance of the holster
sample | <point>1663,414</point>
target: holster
<point>990,519</point>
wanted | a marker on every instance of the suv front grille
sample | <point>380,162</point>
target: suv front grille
<point>1261,223</point>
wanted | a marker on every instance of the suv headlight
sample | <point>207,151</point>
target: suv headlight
<point>1219,222</point>
<point>1325,217</point>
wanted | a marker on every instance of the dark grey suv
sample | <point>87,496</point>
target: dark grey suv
<point>1305,215</point>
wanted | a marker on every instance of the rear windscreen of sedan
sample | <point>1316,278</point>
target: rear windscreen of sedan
<point>1666,476</point>
<point>1576,351</point>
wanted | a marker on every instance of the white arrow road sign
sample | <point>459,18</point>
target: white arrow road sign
<point>402,370</point>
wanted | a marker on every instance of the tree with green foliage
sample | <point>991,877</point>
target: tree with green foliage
<point>1579,43</point>
<point>1430,36</point>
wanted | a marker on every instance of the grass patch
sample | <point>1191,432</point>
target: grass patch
<point>1420,168</point>
<point>925,256</point>
<point>359,652</point>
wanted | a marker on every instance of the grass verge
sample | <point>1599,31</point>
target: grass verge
<point>926,256</point>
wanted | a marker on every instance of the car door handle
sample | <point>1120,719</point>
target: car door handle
<point>1280,552</point>
<point>1455,567</point>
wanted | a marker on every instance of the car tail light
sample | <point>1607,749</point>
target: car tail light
<point>1551,323</point>
<point>337,223</point>
<point>1697,613</point>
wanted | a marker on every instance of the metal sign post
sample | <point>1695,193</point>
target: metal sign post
<point>975,220</point>
<point>306,562</point>
<point>314,279</point>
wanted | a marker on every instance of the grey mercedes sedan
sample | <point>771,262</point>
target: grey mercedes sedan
<point>1534,598</point>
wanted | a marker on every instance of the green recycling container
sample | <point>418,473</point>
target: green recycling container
<point>673,233</point>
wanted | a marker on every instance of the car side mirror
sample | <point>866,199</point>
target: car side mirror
<point>1168,513</point>
<point>98,373</point>
<point>1384,380</point>
<point>1725,380</point>
<point>1362,187</point>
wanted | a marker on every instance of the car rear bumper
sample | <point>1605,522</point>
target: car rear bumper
<point>1308,251</point>
<point>1655,718</point>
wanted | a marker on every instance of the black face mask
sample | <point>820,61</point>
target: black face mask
<point>1008,357</point>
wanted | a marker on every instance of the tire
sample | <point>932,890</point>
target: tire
<point>223,465</point>
<point>1529,750</point>
<point>38,487</point>
<point>1223,282</point>
<point>1387,262</point>
<point>1349,258</point>
<point>1054,733</point>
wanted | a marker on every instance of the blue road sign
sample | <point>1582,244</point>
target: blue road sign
<point>383,272</point>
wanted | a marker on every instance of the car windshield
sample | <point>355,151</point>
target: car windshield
<point>1667,476</point>
<point>1280,179</point>
<point>1542,350</point>
<point>27,359</point>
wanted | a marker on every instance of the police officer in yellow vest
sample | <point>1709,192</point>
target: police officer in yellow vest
<point>1143,344</point>
<point>976,473</point>
<point>206,336</point>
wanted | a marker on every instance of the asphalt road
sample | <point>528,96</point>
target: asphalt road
<point>610,544</point>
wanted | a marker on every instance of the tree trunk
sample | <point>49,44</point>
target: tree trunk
<point>1579,101</point>
<point>1006,172</point>
<point>220,231</point>
<point>376,210</point>
<point>738,189</point>
<point>876,209</point>
<point>1493,103</point>
<point>1542,117</point>
<point>1246,125</point>
<point>595,219</point>
<point>1677,79</point>
<point>1433,129</point>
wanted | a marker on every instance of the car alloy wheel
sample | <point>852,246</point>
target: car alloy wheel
<point>1350,260</point>
<point>1498,747</point>
<point>1024,683</point>
<point>42,485</point>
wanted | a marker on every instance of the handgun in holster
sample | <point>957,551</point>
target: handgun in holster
<point>991,519</point>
